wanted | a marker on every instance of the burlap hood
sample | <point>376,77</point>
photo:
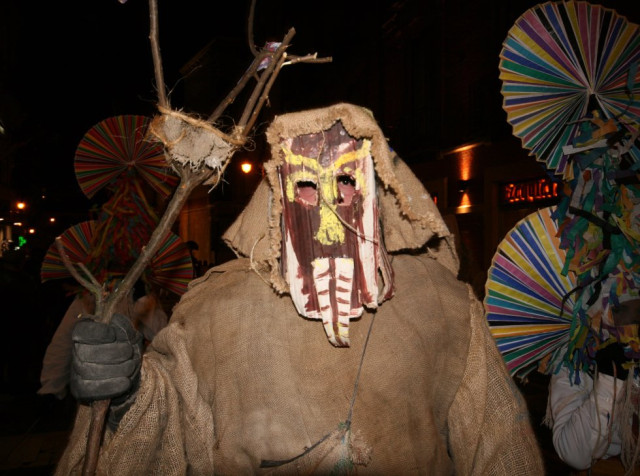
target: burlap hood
<point>410,218</point>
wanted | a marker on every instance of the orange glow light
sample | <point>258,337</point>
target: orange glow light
<point>246,167</point>
<point>464,148</point>
<point>21,205</point>
<point>465,164</point>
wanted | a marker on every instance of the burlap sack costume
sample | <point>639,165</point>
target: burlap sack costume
<point>238,377</point>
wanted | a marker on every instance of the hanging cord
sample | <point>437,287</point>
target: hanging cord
<point>344,223</point>
<point>636,452</point>
<point>595,382</point>
<point>335,212</point>
<point>330,206</point>
<point>252,262</point>
<point>343,427</point>
<point>355,386</point>
<point>627,418</point>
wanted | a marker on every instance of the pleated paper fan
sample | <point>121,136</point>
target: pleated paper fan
<point>526,300</point>
<point>171,267</point>
<point>119,145</point>
<point>558,60</point>
<point>77,244</point>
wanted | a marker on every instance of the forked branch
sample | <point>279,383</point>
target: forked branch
<point>181,136</point>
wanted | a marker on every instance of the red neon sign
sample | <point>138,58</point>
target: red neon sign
<point>529,191</point>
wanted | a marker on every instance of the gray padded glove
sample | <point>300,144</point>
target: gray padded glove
<point>106,362</point>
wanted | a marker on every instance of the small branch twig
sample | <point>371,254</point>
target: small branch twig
<point>264,96</point>
<point>252,45</point>
<point>228,100</point>
<point>155,52</point>
<point>249,108</point>
<point>98,302</point>
<point>265,80</point>
<point>91,285</point>
<point>307,59</point>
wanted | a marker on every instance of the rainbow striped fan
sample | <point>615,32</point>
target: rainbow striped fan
<point>527,313</point>
<point>119,145</point>
<point>170,268</point>
<point>76,242</point>
<point>558,60</point>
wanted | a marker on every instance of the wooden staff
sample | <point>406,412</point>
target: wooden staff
<point>192,174</point>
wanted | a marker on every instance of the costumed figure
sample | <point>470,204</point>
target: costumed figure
<point>573,103</point>
<point>594,397</point>
<point>404,378</point>
<point>116,157</point>
<point>111,248</point>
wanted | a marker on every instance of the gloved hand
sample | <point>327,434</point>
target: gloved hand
<point>612,357</point>
<point>106,360</point>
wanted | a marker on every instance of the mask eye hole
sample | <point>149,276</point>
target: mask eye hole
<point>307,192</point>
<point>346,189</point>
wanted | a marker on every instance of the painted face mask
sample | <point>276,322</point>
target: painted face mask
<point>331,234</point>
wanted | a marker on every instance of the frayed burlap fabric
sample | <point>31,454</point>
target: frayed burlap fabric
<point>238,378</point>
<point>408,215</point>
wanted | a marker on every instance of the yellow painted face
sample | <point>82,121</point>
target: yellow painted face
<point>328,187</point>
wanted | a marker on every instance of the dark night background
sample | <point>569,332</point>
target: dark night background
<point>68,65</point>
<point>428,70</point>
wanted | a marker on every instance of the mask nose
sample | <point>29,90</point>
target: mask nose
<point>331,230</point>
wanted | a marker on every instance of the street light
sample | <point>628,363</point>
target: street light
<point>246,167</point>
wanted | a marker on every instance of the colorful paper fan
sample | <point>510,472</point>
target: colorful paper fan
<point>77,243</point>
<point>528,314</point>
<point>171,267</point>
<point>556,60</point>
<point>120,145</point>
